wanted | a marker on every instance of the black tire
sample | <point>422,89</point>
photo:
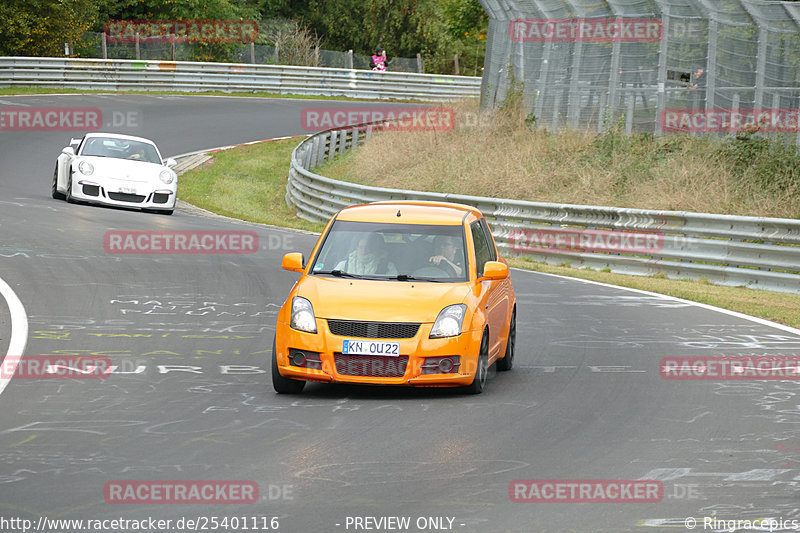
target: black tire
<point>57,195</point>
<point>507,362</point>
<point>281,384</point>
<point>482,372</point>
<point>69,197</point>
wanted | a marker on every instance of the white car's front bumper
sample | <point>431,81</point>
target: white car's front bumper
<point>124,193</point>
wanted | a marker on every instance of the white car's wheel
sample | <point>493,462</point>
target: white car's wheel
<point>69,197</point>
<point>57,195</point>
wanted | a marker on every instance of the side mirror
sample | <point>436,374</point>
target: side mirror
<point>494,270</point>
<point>69,150</point>
<point>170,163</point>
<point>293,262</point>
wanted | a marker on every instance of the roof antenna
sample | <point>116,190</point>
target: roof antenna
<point>398,212</point>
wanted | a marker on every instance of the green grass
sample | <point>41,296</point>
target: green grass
<point>249,183</point>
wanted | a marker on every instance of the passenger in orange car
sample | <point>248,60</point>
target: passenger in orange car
<point>368,258</point>
<point>445,258</point>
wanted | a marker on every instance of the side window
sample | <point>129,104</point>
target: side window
<point>489,240</point>
<point>481,246</point>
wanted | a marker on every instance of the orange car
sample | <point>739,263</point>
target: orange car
<point>397,293</point>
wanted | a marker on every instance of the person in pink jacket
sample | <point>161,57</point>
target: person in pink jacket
<point>379,60</point>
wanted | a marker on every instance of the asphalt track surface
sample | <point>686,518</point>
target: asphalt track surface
<point>584,401</point>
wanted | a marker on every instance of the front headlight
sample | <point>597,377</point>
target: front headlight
<point>86,168</point>
<point>449,321</point>
<point>167,176</point>
<point>303,315</point>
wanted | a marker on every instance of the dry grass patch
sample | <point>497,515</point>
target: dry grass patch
<point>510,159</point>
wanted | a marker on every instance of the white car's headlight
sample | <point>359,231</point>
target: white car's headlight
<point>449,321</point>
<point>167,176</point>
<point>303,315</point>
<point>86,168</point>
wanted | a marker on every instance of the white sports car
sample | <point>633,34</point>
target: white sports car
<point>113,169</point>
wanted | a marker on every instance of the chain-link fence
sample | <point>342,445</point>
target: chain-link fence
<point>94,46</point>
<point>705,66</point>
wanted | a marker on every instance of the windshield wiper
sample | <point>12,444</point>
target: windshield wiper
<point>407,277</point>
<point>338,274</point>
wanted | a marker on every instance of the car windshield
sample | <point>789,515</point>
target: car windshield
<point>401,252</point>
<point>120,149</point>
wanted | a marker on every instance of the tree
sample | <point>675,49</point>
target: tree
<point>41,27</point>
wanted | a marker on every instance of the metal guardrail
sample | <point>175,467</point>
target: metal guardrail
<point>127,75</point>
<point>754,252</point>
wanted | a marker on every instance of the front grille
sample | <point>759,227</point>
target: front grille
<point>125,197</point>
<point>373,330</point>
<point>159,198</point>
<point>375,366</point>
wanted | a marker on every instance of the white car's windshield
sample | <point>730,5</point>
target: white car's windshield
<point>120,149</point>
<point>404,252</point>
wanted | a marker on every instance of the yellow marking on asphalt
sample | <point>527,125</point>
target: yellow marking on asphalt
<point>24,441</point>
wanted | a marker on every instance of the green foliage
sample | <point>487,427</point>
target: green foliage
<point>437,29</point>
<point>41,27</point>
<point>763,163</point>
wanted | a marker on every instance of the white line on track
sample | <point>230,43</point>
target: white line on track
<point>19,334</point>
<point>762,321</point>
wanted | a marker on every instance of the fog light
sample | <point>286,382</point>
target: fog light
<point>298,358</point>
<point>445,365</point>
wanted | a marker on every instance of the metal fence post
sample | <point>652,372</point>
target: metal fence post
<point>556,108</point>
<point>420,65</point>
<point>631,96</point>
<point>138,54</point>
<point>104,45</point>
<point>613,78</point>
<point>349,59</point>
<point>661,82</point>
<point>761,61</point>
<point>574,104</point>
<point>711,65</point>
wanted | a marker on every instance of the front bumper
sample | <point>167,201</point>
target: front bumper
<point>415,371</point>
<point>124,194</point>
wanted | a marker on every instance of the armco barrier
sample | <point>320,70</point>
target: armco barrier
<point>727,250</point>
<point>126,75</point>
